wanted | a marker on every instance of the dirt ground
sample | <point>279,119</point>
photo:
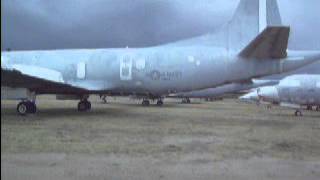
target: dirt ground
<point>123,140</point>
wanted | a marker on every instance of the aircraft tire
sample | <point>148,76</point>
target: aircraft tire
<point>22,108</point>
<point>84,106</point>
<point>26,107</point>
<point>159,102</point>
<point>145,103</point>
<point>298,113</point>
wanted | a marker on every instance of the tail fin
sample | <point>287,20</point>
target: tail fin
<point>251,18</point>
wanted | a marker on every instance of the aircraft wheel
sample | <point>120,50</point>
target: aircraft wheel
<point>25,107</point>
<point>22,108</point>
<point>298,113</point>
<point>159,102</point>
<point>84,106</point>
<point>145,102</point>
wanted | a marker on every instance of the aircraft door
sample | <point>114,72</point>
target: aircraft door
<point>126,68</point>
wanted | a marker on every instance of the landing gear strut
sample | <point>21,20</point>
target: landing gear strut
<point>145,102</point>
<point>84,105</point>
<point>159,102</point>
<point>298,113</point>
<point>104,98</point>
<point>186,101</point>
<point>26,107</point>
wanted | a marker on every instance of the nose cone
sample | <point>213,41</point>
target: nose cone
<point>269,93</point>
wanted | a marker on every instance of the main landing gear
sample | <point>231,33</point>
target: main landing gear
<point>104,98</point>
<point>84,105</point>
<point>298,113</point>
<point>26,107</point>
<point>186,101</point>
<point>146,102</point>
<point>159,102</point>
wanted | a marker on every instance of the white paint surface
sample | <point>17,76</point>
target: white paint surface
<point>81,70</point>
<point>262,15</point>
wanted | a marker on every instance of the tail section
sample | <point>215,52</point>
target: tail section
<point>251,18</point>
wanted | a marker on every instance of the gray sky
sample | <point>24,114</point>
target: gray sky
<point>46,24</point>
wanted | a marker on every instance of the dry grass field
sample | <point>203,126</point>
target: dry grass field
<point>123,140</point>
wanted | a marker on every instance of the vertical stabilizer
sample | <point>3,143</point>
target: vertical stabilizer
<point>250,18</point>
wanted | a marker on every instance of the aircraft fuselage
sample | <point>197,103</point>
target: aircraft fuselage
<point>156,71</point>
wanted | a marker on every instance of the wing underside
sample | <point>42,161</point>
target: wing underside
<point>16,79</point>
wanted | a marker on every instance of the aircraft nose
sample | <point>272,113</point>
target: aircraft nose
<point>268,93</point>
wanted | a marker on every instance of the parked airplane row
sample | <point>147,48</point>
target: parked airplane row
<point>296,91</point>
<point>253,44</point>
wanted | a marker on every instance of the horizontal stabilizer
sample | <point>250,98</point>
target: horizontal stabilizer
<point>272,43</point>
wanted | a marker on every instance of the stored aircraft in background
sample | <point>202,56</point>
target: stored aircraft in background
<point>234,54</point>
<point>220,91</point>
<point>296,91</point>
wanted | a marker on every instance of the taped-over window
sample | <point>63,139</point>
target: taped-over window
<point>81,70</point>
<point>126,68</point>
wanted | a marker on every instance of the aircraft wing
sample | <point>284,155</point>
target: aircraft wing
<point>36,78</point>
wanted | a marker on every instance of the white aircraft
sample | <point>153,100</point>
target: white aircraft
<point>296,91</point>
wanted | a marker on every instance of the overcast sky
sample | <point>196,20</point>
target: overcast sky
<point>57,24</point>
